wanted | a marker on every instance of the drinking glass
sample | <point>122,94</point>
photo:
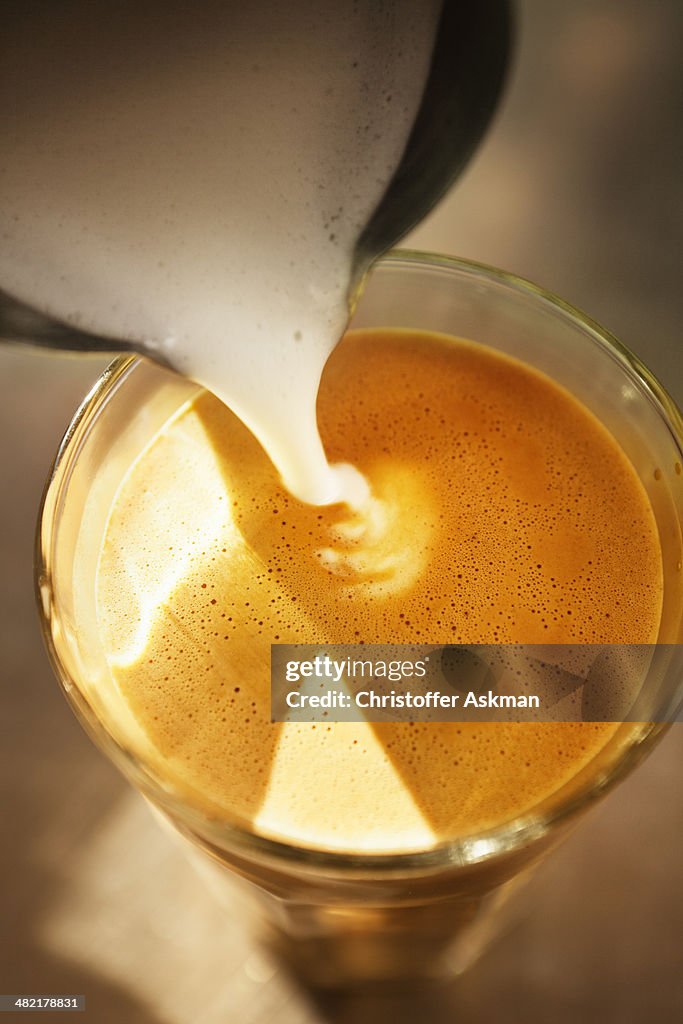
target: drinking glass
<point>343,919</point>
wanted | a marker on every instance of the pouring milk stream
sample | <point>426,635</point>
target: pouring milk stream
<point>197,177</point>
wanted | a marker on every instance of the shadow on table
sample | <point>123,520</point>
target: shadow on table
<point>55,795</point>
<point>438,1003</point>
<point>34,971</point>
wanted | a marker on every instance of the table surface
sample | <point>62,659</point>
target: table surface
<point>576,187</point>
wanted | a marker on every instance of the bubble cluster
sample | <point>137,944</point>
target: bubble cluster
<point>501,511</point>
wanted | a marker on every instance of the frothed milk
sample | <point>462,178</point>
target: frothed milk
<point>196,176</point>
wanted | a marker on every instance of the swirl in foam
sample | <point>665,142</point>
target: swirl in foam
<point>373,549</point>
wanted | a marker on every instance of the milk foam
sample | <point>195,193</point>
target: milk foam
<point>195,177</point>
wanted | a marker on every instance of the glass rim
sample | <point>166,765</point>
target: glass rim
<point>426,259</point>
<point>454,853</point>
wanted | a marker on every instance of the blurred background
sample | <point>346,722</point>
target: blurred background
<point>578,187</point>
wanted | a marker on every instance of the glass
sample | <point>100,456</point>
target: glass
<point>341,919</point>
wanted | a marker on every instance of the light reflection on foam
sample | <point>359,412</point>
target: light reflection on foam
<point>200,520</point>
<point>366,806</point>
<point>191,499</point>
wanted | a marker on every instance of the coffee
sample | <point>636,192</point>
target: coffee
<point>502,511</point>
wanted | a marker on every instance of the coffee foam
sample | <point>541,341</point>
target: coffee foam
<point>501,512</point>
<point>197,180</point>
